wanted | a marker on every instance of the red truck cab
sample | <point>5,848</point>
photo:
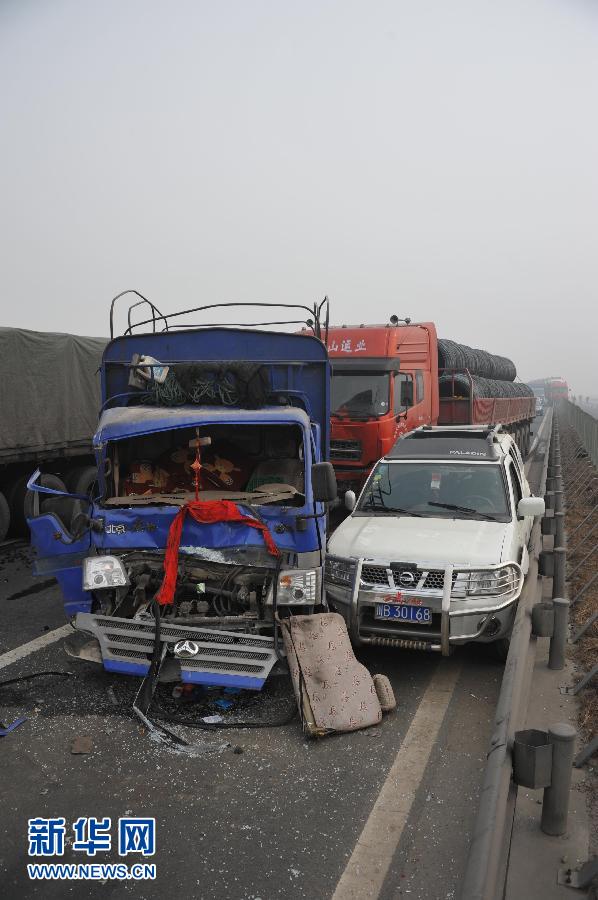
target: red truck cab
<point>384,384</point>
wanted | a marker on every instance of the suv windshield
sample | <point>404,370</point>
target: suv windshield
<point>360,395</point>
<point>439,490</point>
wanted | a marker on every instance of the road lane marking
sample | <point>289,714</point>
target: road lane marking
<point>371,858</point>
<point>7,659</point>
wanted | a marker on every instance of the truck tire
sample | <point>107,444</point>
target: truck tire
<point>46,480</point>
<point>15,495</point>
<point>21,500</point>
<point>4,516</point>
<point>81,479</point>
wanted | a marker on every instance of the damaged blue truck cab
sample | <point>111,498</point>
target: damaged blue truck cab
<point>241,416</point>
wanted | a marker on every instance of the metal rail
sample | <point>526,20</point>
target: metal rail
<point>584,424</point>
<point>488,855</point>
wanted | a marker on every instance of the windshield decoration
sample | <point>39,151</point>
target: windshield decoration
<point>206,512</point>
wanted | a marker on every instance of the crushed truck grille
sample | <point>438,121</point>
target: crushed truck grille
<point>223,658</point>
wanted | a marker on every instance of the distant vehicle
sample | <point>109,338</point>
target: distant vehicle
<point>539,405</point>
<point>553,390</point>
<point>434,552</point>
<point>389,379</point>
<point>556,389</point>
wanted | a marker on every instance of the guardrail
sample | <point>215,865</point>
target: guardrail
<point>584,424</point>
<point>485,874</point>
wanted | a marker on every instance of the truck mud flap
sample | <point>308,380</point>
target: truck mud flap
<point>218,658</point>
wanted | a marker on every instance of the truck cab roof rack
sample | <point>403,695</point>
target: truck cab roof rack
<point>314,317</point>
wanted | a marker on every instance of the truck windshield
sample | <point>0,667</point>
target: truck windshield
<point>255,464</point>
<point>438,490</point>
<point>360,395</point>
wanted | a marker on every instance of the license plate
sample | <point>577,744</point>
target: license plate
<point>420,614</point>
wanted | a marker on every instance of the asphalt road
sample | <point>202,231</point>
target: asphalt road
<point>243,813</point>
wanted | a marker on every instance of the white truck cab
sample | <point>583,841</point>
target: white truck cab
<point>434,552</point>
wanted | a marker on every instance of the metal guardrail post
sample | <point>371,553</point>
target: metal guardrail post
<point>559,533</point>
<point>560,572</point>
<point>555,804</point>
<point>558,641</point>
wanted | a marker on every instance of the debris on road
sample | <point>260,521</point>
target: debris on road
<point>334,691</point>
<point>82,744</point>
<point>6,729</point>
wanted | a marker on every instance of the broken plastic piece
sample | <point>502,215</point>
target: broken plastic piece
<point>6,729</point>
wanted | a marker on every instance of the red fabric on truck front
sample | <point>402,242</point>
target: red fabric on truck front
<point>205,512</point>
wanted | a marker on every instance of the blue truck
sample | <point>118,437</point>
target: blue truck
<point>207,521</point>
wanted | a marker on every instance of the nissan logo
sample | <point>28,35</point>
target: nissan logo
<point>407,578</point>
<point>186,649</point>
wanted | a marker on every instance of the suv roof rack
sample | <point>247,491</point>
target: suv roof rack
<point>448,442</point>
<point>315,317</point>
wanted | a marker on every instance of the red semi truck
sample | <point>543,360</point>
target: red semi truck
<point>386,381</point>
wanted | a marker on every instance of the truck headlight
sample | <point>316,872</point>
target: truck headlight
<point>339,570</point>
<point>494,581</point>
<point>101,572</point>
<point>296,586</point>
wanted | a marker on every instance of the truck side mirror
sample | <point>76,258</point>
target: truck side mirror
<point>407,393</point>
<point>323,482</point>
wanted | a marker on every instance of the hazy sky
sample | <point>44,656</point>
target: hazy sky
<point>431,159</point>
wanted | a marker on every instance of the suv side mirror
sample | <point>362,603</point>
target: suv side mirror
<point>350,500</point>
<point>531,506</point>
<point>323,482</point>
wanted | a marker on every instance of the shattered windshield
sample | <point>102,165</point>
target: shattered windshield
<point>360,395</point>
<point>252,464</point>
<point>438,490</point>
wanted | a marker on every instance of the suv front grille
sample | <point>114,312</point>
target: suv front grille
<point>374,575</point>
<point>378,575</point>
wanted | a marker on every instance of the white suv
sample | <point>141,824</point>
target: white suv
<point>434,552</point>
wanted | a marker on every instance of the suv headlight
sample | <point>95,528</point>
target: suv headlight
<point>339,571</point>
<point>295,586</point>
<point>101,572</point>
<point>494,581</point>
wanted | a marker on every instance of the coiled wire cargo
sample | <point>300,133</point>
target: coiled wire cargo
<point>480,363</point>
<point>459,384</point>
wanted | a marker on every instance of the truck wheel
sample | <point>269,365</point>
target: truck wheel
<point>4,517</point>
<point>16,499</point>
<point>81,479</point>
<point>21,500</point>
<point>385,693</point>
<point>46,480</point>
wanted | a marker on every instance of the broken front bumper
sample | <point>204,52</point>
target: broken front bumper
<point>457,618</point>
<point>211,657</point>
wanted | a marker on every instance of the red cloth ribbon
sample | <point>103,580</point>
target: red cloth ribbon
<point>206,512</point>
